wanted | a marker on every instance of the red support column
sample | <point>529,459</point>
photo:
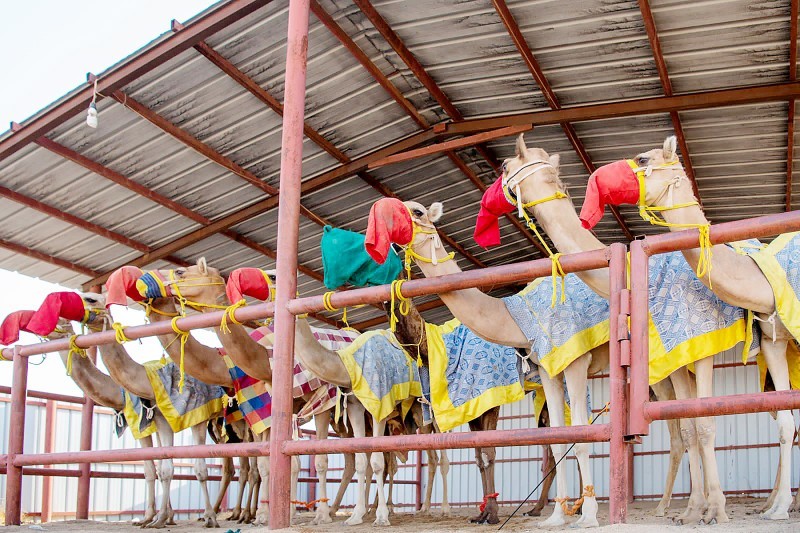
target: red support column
<point>288,229</point>
<point>639,372</point>
<point>16,439</point>
<point>50,412</point>
<point>618,484</point>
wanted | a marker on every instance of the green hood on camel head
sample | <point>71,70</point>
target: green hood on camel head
<point>345,260</point>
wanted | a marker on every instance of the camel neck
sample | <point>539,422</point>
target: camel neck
<point>94,384</point>
<point>126,371</point>
<point>561,223</point>
<point>246,353</point>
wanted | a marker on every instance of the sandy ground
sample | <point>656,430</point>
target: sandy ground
<point>742,512</point>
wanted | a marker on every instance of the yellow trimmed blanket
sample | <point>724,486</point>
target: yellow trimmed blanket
<point>197,403</point>
<point>381,371</point>
<point>137,415</point>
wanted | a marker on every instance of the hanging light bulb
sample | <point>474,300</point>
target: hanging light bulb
<point>91,116</point>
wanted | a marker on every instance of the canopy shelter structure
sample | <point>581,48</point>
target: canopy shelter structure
<point>185,159</point>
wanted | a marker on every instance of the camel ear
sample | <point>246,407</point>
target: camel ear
<point>202,265</point>
<point>555,160</point>
<point>520,146</point>
<point>670,148</point>
<point>435,212</point>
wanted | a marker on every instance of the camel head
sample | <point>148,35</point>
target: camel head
<point>533,170</point>
<point>656,174</point>
<point>199,286</point>
<point>392,221</point>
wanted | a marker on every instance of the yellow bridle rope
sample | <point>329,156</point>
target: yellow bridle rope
<point>651,214</point>
<point>556,271</point>
<point>73,349</point>
<point>328,304</point>
<point>184,336</point>
<point>176,285</point>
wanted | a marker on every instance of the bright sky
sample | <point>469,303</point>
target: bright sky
<point>46,49</point>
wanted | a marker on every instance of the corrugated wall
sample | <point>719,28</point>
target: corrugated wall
<point>746,451</point>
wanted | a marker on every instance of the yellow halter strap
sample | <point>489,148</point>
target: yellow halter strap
<point>418,228</point>
<point>73,349</point>
<point>404,305</point>
<point>650,213</point>
<point>176,285</point>
<point>184,336</point>
<point>515,199</point>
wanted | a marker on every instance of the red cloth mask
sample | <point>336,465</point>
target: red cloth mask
<point>12,325</point>
<point>248,282</point>
<point>611,184</point>
<point>121,285</point>
<point>57,305</point>
<point>389,222</point>
<point>494,204</point>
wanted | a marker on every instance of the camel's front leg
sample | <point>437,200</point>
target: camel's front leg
<point>664,391</point>
<point>433,464</point>
<point>166,438</point>
<point>227,474</point>
<point>262,513</point>
<point>242,510</point>
<point>378,465</point>
<point>684,389</point>
<point>484,457</point>
<point>347,476</point>
<point>150,477</point>
<point>554,392</point>
<point>576,388</point>
<point>201,472</point>
<point>323,514</point>
<point>356,414</point>
<point>707,436</point>
<point>254,480</point>
<point>549,474</point>
<point>775,357</point>
<point>444,469</point>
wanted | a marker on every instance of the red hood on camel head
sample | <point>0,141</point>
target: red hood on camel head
<point>612,184</point>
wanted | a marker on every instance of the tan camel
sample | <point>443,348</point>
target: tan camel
<point>104,391</point>
<point>738,281</point>
<point>533,175</point>
<point>489,318</point>
<point>132,376</point>
<point>205,288</point>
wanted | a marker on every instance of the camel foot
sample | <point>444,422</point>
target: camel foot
<point>159,522</point>
<point>262,518</point>
<point>779,509</point>
<point>210,520</point>
<point>425,511</point>
<point>795,507</point>
<point>661,510</point>
<point>535,511</point>
<point>381,521</point>
<point>354,520</point>
<point>323,516</point>
<point>486,517</point>
<point>446,510</point>
<point>556,520</point>
<point>144,521</point>
<point>715,515</point>
<point>692,515</point>
<point>585,524</point>
<point>245,517</point>
<point>235,515</point>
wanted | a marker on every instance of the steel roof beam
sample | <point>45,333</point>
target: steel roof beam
<point>46,258</point>
<point>127,71</point>
<point>552,100</point>
<point>409,108</point>
<point>270,101</point>
<point>790,126</point>
<point>666,85</point>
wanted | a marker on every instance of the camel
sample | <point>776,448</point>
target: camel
<point>736,278</point>
<point>532,177</point>
<point>205,364</point>
<point>132,376</point>
<point>104,391</point>
<point>204,287</point>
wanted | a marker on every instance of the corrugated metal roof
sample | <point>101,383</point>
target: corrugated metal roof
<point>590,51</point>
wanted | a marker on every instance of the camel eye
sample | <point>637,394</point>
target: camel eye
<point>90,300</point>
<point>642,160</point>
<point>418,212</point>
<point>180,272</point>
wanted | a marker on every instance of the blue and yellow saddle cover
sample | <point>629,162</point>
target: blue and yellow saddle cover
<point>382,373</point>
<point>197,403</point>
<point>135,414</point>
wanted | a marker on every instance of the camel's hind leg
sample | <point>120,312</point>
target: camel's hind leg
<point>323,514</point>
<point>484,457</point>
<point>166,438</point>
<point>356,414</point>
<point>775,356</point>
<point>684,389</point>
<point>201,471</point>
<point>262,512</point>
<point>663,391</point>
<point>150,477</point>
<point>554,392</point>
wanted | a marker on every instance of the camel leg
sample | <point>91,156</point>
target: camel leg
<point>228,469</point>
<point>254,480</point>
<point>684,389</point>
<point>166,438</point>
<point>391,471</point>
<point>707,436</point>
<point>323,514</point>
<point>444,469</point>
<point>663,391</point>
<point>295,473</point>
<point>575,375</point>
<point>378,466</point>
<point>433,463</point>
<point>484,457</point>
<point>150,477</point>
<point>347,476</point>
<point>243,498</point>
<point>550,474</point>
<point>201,472</point>
<point>775,357</point>
<point>262,513</point>
<point>554,392</point>
<point>356,416</point>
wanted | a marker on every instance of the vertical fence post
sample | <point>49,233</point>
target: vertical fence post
<point>618,485</point>
<point>288,230</point>
<point>87,419</point>
<point>16,439</point>
<point>50,413</point>
<point>640,369</point>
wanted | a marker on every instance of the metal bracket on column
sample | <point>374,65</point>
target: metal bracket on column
<point>623,331</point>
